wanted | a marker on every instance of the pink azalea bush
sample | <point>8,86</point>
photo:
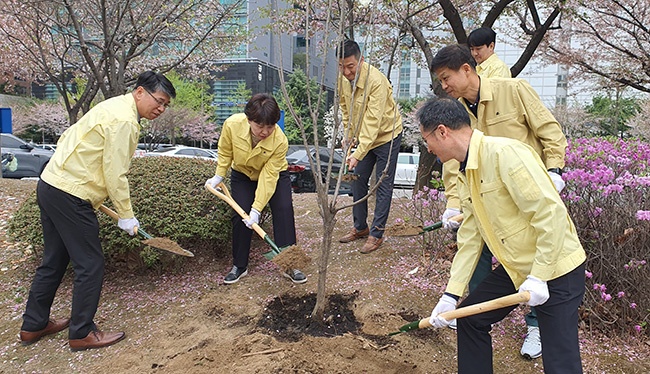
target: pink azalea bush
<point>608,198</point>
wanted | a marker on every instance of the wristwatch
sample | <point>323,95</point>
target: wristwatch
<point>557,171</point>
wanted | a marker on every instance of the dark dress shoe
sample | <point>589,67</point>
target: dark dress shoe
<point>96,339</point>
<point>53,326</point>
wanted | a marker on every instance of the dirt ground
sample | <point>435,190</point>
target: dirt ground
<point>190,322</point>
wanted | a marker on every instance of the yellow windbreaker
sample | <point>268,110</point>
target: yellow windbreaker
<point>493,67</point>
<point>511,108</point>
<point>262,163</point>
<point>509,202</point>
<point>92,156</point>
<point>373,117</point>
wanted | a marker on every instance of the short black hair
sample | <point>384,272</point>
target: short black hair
<point>442,111</point>
<point>348,48</point>
<point>481,36</point>
<point>152,82</point>
<point>263,109</point>
<point>453,57</point>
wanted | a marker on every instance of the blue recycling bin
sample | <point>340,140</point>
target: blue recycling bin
<point>5,120</point>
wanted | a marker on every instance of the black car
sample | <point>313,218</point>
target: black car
<point>302,179</point>
<point>31,160</point>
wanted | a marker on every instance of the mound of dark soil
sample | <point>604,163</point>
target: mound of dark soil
<point>288,318</point>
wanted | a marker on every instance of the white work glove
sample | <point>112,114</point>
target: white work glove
<point>128,224</point>
<point>446,222</point>
<point>557,181</point>
<point>214,181</point>
<point>446,304</point>
<point>537,288</point>
<point>254,217</point>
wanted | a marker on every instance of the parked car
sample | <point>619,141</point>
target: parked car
<point>183,151</point>
<point>407,169</point>
<point>302,179</point>
<point>31,160</point>
<point>49,147</point>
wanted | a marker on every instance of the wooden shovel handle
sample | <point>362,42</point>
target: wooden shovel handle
<point>225,196</point>
<point>486,306</point>
<point>111,213</point>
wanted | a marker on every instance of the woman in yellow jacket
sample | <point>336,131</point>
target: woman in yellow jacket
<point>254,148</point>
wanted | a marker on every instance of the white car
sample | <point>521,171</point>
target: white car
<point>407,169</point>
<point>183,151</point>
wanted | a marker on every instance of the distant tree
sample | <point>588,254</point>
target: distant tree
<point>108,43</point>
<point>607,39</point>
<point>40,120</point>
<point>611,115</point>
<point>240,97</point>
<point>297,87</point>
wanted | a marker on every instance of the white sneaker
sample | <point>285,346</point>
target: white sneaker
<point>532,347</point>
<point>452,324</point>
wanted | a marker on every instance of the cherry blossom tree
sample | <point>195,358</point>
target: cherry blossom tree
<point>606,39</point>
<point>107,43</point>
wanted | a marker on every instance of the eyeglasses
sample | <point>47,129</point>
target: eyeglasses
<point>424,137</point>
<point>160,102</point>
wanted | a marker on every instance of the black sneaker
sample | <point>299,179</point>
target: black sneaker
<point>296,276</point>
<point>234,275</point>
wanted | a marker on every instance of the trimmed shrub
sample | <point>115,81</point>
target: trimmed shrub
<point>169,199</point>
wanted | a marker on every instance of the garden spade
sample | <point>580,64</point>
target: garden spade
<point>408,230</point>
<point>161,243</point>
<point>291,257</point>
<point>347,176</point>
<point>469,310</point>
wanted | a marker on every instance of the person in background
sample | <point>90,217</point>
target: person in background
<point>510,202</point>
<point>89,165</point>
<point>371,117</point>
<point>254,148</point>
<point>481,43</point>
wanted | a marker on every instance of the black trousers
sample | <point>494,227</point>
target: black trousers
<point>376,158</point>
<point>558,323</point>
<point>71,234</point>
<point>281,203</point>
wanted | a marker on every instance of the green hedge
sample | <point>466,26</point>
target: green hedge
<point>168,199</point>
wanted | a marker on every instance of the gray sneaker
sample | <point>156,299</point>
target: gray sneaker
<point>234,275</point>
<point>296,276</point>
<point>532,347</point>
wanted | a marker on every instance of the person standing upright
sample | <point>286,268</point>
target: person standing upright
<point>90,164</point>
<point>373,123</point>
<point>481,43</point>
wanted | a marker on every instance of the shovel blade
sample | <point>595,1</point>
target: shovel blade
<point>269,255</point>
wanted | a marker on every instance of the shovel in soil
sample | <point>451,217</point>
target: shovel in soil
<point>404,229</point>
<point>161,243</point>
<point>470,310</point>
<point>286,258</point>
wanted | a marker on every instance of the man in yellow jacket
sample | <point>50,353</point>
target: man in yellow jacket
<point>90,164</point>
<point>371,117</point>
<point>510,203</point>
<point>253,149</point>
<point>481,43</point>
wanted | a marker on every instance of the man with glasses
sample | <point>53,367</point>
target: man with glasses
<point>498,107</point>
<point>90,164</point>
<point>509,202</point>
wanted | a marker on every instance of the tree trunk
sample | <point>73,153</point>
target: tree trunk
<point>329,221</point>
